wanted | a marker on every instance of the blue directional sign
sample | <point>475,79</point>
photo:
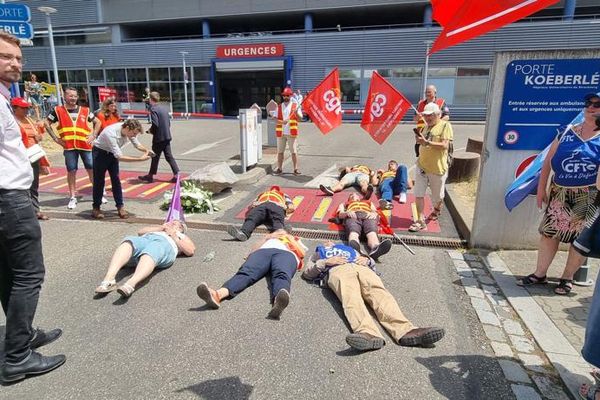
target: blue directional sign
<point>540,96</point>
<point>22,30</point>
<point>15,12</point>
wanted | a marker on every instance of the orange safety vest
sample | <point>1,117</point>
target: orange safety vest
<point>104,121</point>
<point>388,174</point>
<point>361,168</point>
<point>358,205</point>
<point>293,121</point>
<point>421,106</point>
<point>294,247</point>
<point>274,196</point>
<point>74,134</point>
<point>28,131</point>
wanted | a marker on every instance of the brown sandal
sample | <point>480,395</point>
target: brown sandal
<point>122,213</point>
<point>296,172</point>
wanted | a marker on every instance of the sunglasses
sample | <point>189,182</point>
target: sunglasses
<point>595,104</point>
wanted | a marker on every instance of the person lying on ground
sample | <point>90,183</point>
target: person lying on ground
<point>358,175</point>
<point>351,277</point>
<point>279,255</point>
<point>155,247</point>
<point>392,182</point>
<point>360,216</point>
<point>269,208</point>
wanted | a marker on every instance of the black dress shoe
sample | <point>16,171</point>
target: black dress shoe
<point>146,178</point>
<point>36,364</point>
<point>42,338</point>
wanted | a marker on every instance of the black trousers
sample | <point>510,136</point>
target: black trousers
<point>106,161</point>
<point>269,214</point>
<point>162,147</point>
<point>21,270</point>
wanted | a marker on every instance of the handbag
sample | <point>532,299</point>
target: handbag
<point>588,241</point>
<point>35,153</point>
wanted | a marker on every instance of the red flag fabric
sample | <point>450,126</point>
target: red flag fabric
<point>384,226</point>
<point>463,20</point>
<point>384,109</point>
<point>323,104</point>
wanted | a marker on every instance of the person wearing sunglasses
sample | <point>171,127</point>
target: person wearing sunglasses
<point>573,161</point>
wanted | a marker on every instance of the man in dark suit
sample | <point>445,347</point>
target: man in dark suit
<point>161,139</point>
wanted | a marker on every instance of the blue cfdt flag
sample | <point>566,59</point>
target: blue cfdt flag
<point>526,183</point>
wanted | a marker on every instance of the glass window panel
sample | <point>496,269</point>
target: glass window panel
<point>159,74</point>
<point>203,98</point>
<point>368,73</point>
<point>473,71</point>
<point>201,73</point>
<point>121,91</point>
<point>471,91</point>
<point>349,73</point>
<point>406,72</point>
<point>136,75</point>
<point>96,75</point>
<point>445,88</point>
<point>177,73</point>
<point>163,90</point>
<point>409,87</point>
<point>115,75</point>
<point>62,76</point>
<point>350,90</point>
<point>136,92</point>
<point>42,76</point>
<point>178,97</point>
<point>435,72</point>
<point>76,75</point>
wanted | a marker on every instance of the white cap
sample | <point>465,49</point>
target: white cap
<point>431,108</point>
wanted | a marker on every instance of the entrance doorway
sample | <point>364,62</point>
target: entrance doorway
<point>241,89</point>
<point>94,98</point>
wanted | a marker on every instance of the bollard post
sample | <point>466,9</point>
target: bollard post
<point>581,276</point>
<point>271,124</point>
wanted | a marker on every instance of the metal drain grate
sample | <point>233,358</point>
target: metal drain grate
<point>310,234</point>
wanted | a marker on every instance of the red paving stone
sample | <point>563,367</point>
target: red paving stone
<point>316,208</point>
<point>133,188</point>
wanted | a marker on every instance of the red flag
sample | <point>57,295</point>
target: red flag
<point>323,104</point>
<point>463,20</point>
<point>384,226</point>
<point>384,108</point>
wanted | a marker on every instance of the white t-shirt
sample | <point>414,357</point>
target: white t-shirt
<point>286,109</point>
<point>16,169</point>
<point>111,140</point>
<point>278,244</point>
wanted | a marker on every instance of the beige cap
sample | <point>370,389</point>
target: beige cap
<point>431,108</point>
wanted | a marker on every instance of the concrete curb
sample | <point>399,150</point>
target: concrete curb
<point>571,367</point>
<point>453,206</point>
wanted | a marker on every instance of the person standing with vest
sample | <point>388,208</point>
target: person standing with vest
<point>269,208</point>
<point>21,259</point>
<point>360,216</point>
<point>73,128</point>
<point>161,139</point>
<point>432,165</point>
<point>287,114</point>
<point>279,255</point>
<point>31,133</point>
<point>430,97</point>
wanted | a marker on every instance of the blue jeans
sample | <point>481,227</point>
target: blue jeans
<point>280,264</point>
<point>21,270</point>
<point>591,350</point>
<point>105,161</point>
<point>394,186</point>
<point>72,159</point>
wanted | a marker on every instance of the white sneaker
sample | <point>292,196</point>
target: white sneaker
<point>72,203</point>
<point>402,198</point>
<point>104,201</point>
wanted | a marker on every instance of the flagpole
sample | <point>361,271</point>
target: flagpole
<point>426,71</point>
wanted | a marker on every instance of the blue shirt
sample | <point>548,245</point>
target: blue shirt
<point>575,163</point>
<point>338,250</point>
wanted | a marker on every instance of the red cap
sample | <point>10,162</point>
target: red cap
<point>287,91</point>
<point>19,102</point>
<point>275,187</point>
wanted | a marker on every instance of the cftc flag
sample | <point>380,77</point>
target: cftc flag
<point>384,109</point>
<point>462,20</point>
<point>323,104</point>
<point>175,209</point>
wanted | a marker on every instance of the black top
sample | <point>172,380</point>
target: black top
<point>161,124</point>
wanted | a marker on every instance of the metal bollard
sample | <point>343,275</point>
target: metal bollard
<point>581,276</point>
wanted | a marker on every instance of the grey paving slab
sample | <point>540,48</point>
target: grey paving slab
<point>523,392</point>
<point>513,371</point>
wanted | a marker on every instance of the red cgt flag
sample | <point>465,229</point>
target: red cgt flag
<point>323,105</point>
<point>465,19</point>
<point>384,108</point>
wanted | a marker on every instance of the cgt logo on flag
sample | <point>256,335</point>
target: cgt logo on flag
<point>323,104</point>
<point>384,109</point>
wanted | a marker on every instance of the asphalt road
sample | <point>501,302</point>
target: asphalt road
<point>163,343</point>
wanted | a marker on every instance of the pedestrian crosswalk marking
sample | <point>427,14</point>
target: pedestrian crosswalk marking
<point>322,209</point>
<point>53,180</point>
<point>132,187</point>
<point>76,181</point>
<point>296,201</point>
<point>155,188</point>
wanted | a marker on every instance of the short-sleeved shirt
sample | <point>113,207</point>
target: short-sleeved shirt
<point>434,159</point>
<point>286,110</point>
<point>111,140</point>
<point>74,113</point>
